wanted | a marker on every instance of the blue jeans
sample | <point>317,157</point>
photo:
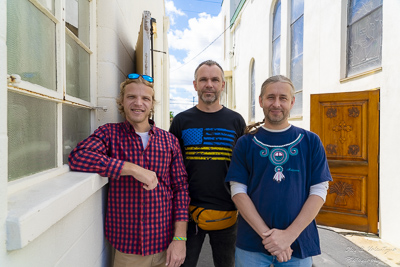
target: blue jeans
<point>222,245</point>
<point>246,258</point>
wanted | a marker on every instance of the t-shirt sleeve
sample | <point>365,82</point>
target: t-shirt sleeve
<point>174,128</point>
<point>238,168</point>
<point>319,166</point>
<point>242,126</point>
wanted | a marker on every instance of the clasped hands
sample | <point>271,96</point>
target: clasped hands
<point>277,242</point>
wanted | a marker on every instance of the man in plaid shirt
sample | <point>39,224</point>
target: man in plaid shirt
<point>147,209</point>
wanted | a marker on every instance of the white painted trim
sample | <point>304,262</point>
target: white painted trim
<point>45,11</point>
<point>34,90</point>
<point>79,101</point>
<point>33,210</point>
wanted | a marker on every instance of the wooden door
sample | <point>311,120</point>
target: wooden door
<point>348,125</point>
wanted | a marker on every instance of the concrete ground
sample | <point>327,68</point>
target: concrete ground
<point>339,248</point>
<point>350,248</point>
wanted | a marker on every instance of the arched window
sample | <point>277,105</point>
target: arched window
<point>252,115</point>
<point>296,53</point>
<point>276,39</point>
<point>364,36</point>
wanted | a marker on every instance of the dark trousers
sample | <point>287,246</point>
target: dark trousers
<point>222,245</point>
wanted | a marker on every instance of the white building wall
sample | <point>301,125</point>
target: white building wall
<point>3,130</point>
<point>324,67</point>
<point>76,240</point>
<point>247,28</point>
<point>59,215</point>
<point>389,125</point>
<point>117,39</point>
<point>324,43</point>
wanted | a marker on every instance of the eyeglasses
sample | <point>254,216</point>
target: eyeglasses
<point>134,76</point>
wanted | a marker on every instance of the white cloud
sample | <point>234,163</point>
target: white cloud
<point>172,12</point>
<point>201,32</point>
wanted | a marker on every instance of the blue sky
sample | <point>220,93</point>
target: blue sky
<point>194,25</point>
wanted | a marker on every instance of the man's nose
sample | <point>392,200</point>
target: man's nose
<point>209,83</point>
<point>276,102</point>
<point>137,101</point>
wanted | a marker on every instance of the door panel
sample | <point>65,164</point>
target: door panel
<point>348,125</point>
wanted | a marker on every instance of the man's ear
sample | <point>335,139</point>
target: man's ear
<point>293,100</point>
<point>195,85</point>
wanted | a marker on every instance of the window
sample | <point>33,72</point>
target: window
<point>364,32</point>
<point>252,116</point>
<point>276,40</point>
<point>49,111</point>
<point>296,53</point>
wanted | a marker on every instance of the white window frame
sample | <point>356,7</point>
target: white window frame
<point>252,95</point>
<point>298,116</point>
<point>274,7</point>
<point>344,47</point>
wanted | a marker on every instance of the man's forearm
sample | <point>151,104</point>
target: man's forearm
<point>180,229</point>
<point>278,240</point>
<point>249,212</point>
<point>307,214</point>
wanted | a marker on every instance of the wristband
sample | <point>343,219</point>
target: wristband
<point>179,238</point>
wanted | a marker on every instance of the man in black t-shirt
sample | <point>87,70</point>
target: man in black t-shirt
<point>207,134</point>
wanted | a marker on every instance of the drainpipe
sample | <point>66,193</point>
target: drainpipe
<point>153,20</point>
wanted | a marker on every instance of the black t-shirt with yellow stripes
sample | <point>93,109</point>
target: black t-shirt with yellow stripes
<point>207,141</point>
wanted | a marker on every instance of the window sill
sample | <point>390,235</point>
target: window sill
<point>296,118</point>
<point>34,209</point>
<point>356,76</point>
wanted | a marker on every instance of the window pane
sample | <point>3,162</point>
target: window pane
<point>277,21</point>
<point>48,4</point>
<point>31,44</point>
<point>364,50</point>
<point>297,10</point>
<point>77,19</point>
<point>77,69</point>
<point>296,72</point>
<point>297,109</point>
<point>31,135</point>
<point>359,8</point>
<point>276,56</point>
<point>76,127</point>
<point>297,38</point>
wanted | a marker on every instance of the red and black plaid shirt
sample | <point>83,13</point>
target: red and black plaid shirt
<point>137,221</point>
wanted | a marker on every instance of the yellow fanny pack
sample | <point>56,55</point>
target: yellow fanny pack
<point>208,219</point>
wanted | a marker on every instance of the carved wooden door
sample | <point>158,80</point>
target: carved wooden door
<point>348,125</point>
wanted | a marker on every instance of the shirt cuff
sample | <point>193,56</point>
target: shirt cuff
<point>320,189</point>
<point>237,188</point>
<point>114,168</point>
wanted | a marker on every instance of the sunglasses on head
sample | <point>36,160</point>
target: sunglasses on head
<point>134,76</point>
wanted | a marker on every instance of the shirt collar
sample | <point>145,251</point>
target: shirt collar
<point>130,128</point>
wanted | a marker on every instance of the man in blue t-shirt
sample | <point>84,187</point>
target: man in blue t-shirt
<point>279,179</point>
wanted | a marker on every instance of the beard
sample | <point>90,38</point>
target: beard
<point>208,99</point>
<point>277,119</point>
